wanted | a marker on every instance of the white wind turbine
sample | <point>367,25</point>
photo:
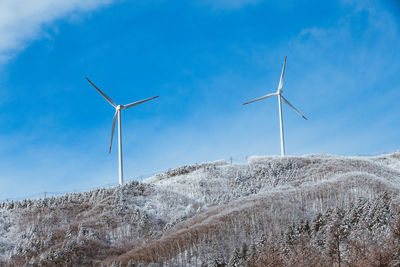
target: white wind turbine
<point>118,114</point>
<point>280,98</point>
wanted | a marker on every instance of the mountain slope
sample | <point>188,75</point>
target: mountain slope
<point>310,210</point>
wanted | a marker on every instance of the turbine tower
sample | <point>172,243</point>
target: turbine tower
<point>117,113</point>
<point>280,98</point>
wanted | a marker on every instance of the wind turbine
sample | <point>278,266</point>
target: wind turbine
<point>117,113</point>
<point>280,98</point>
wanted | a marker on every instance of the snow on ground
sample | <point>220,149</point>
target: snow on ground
<point>38,230</point>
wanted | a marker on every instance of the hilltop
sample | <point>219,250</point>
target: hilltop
<point>315,210</point>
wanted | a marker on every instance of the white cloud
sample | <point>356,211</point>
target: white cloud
<point>22,21</point>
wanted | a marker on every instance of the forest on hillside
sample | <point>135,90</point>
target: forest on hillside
<point>315,210</point>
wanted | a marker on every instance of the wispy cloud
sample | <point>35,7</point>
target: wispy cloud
<point>23,21</point>
<point>348,63</point>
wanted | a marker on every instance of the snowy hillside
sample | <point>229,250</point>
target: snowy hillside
<point>315,210</point>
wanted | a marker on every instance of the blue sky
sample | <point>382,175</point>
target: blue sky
<point>204,58</point>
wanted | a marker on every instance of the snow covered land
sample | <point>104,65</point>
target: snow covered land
<point>316,210</point>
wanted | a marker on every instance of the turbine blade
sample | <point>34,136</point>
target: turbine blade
<point>138,102</point>
<point>103,94</point>
<point>260,98</point>
<point>290,105</point>
<point>112,129</point>
<point>282,74</point>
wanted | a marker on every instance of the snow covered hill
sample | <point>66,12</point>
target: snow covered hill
<point>316,210</point>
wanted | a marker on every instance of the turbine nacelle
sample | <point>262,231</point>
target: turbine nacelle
<point>119,107</point>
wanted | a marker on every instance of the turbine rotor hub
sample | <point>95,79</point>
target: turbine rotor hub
<point>120,107</point>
